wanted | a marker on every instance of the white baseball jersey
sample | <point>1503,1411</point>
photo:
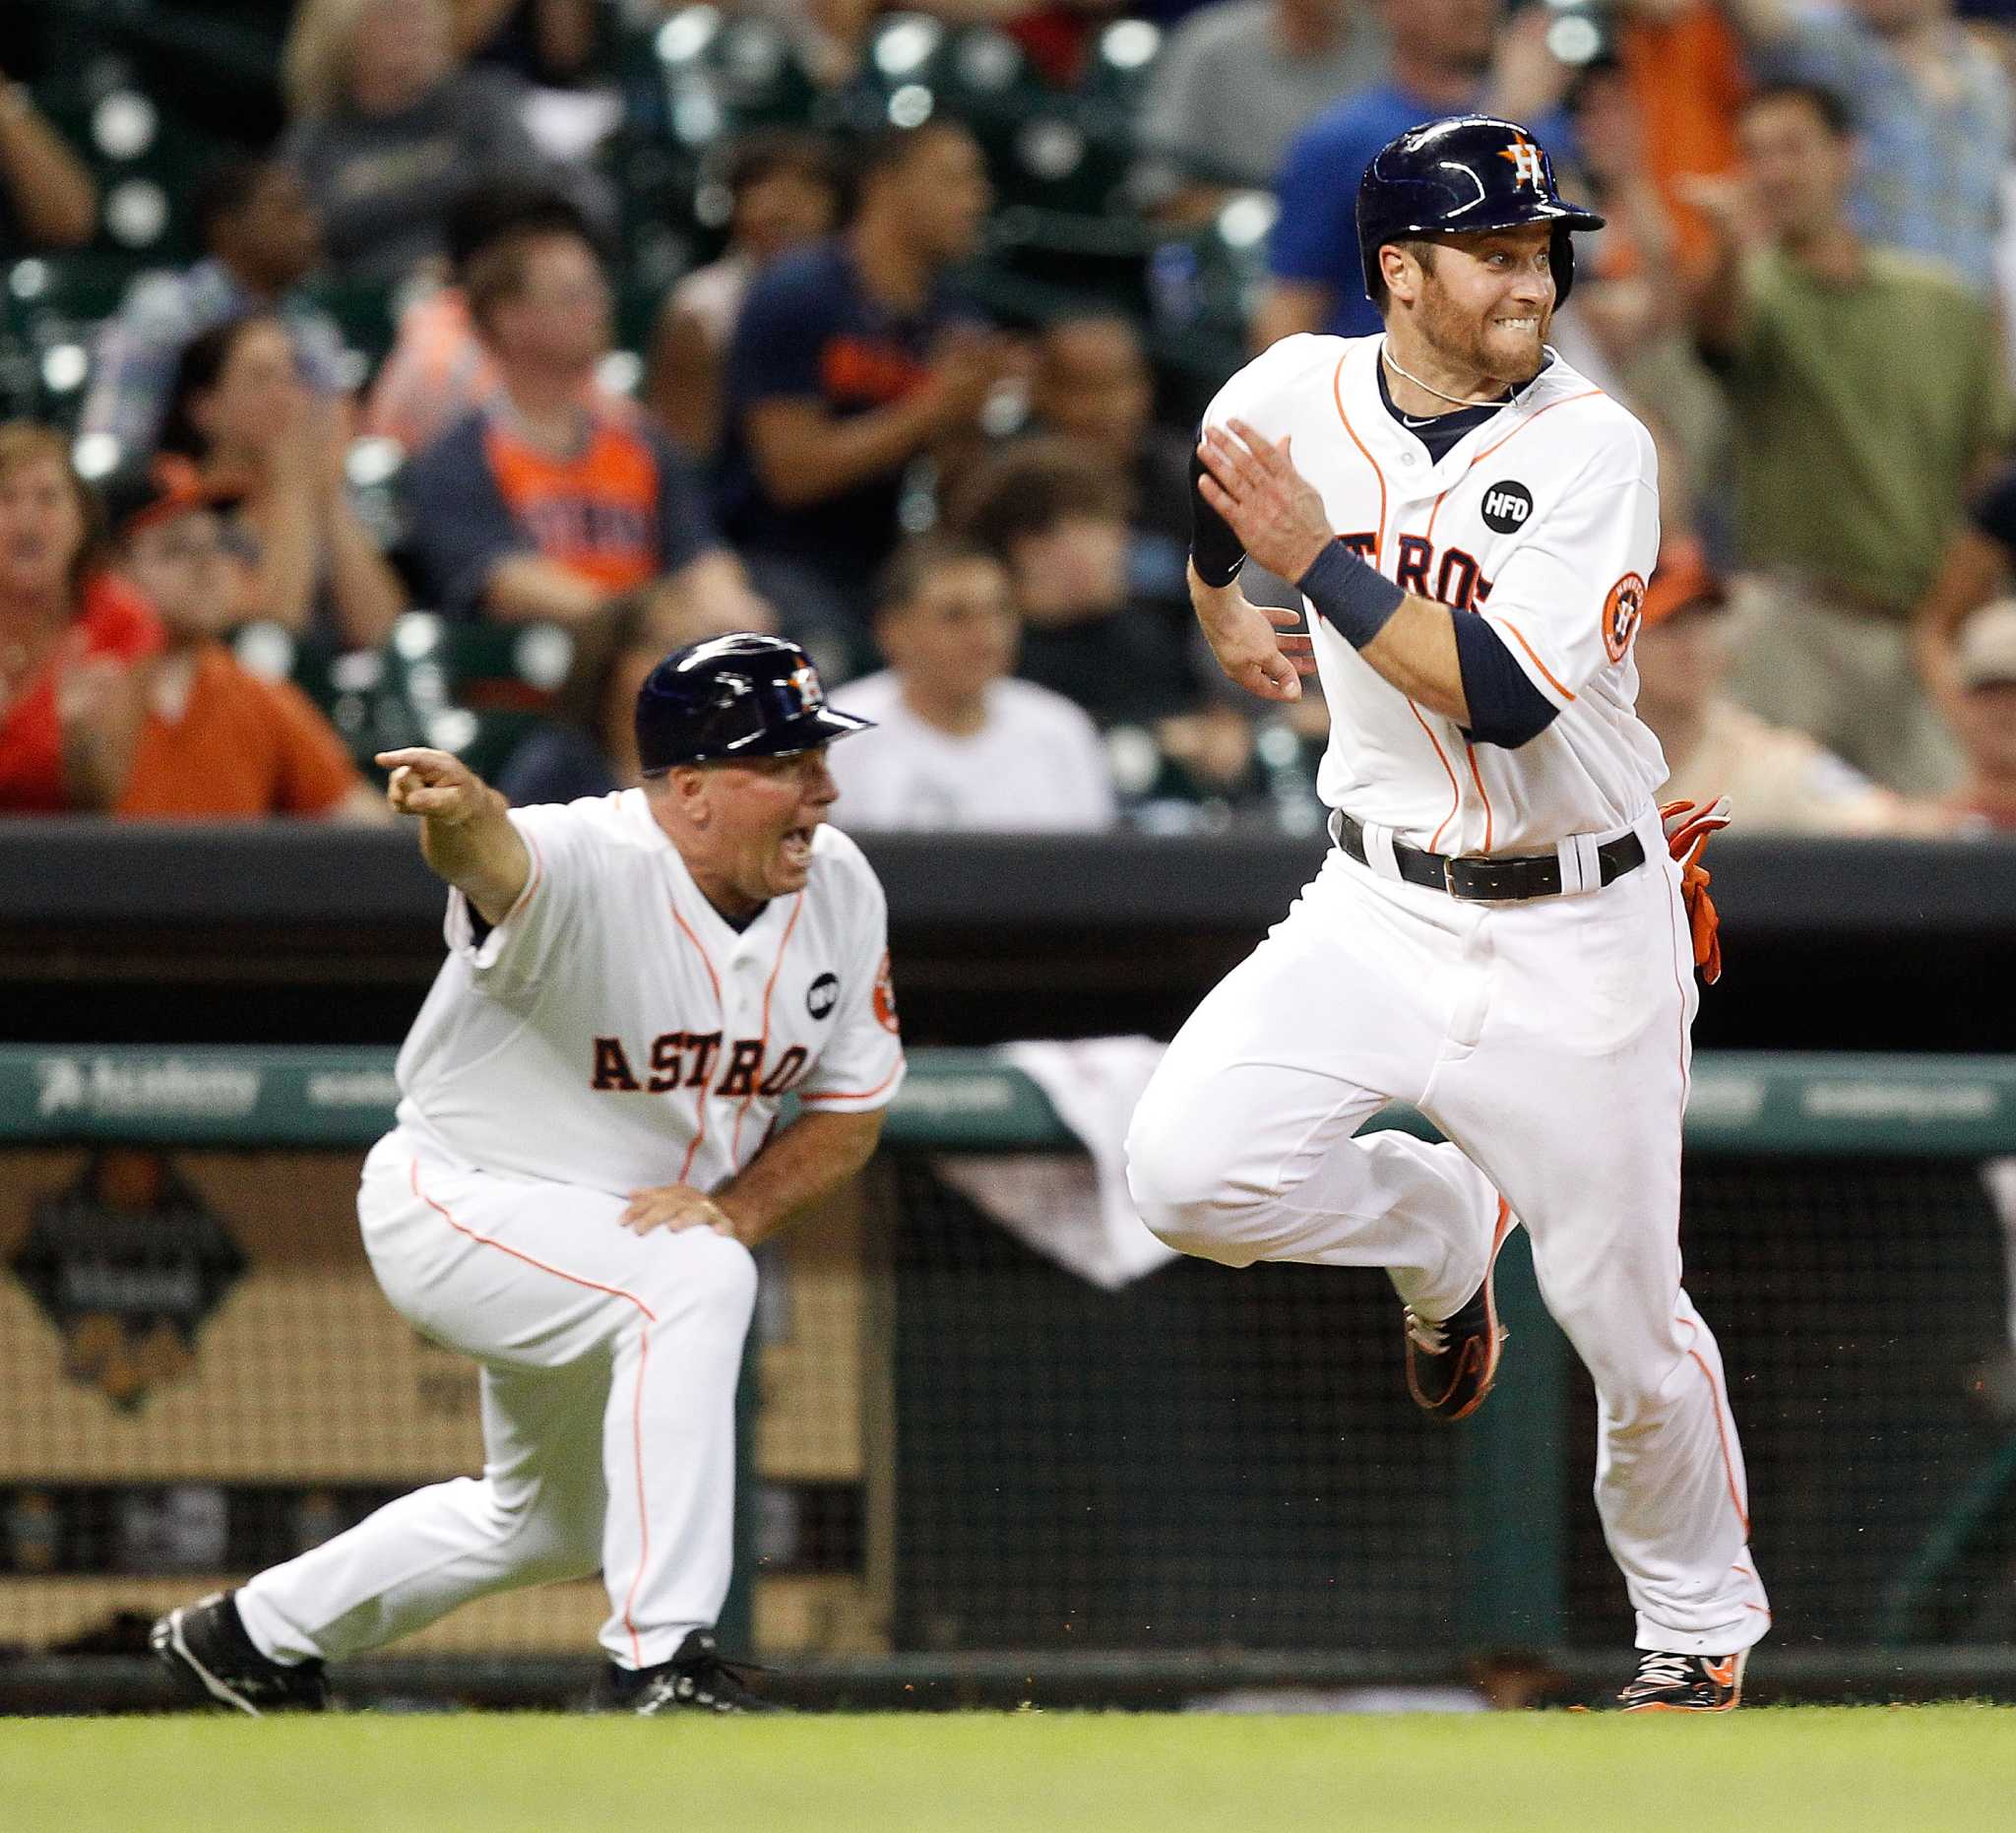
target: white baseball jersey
<point>1544,522</point>
<point>616,1032</point>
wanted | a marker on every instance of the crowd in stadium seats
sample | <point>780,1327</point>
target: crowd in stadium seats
<point>512,342</point>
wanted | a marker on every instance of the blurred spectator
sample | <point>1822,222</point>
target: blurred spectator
<point>957,743</point>
<point>784,191</point>
<point>1448,57</point>
<point>1684,80</point>
<point>590,746</point>
<point>1984,715</point>
<point>1055,515</point>
<point>1884,372</point>
<point>1776,778</point>
<point>827,39</point>
<point>851,360</point>
<point>47,196</point>
<point>1934,111</point>
<point>1978,562</point>
<point>242,415</point>
<point>387,128</point>
<point>1627,327</point>
<point>69,633</point>
<point>1055,35</point>
<point>552,42</point>
<point>541,505</point>
<point>437,371</point>
<point>1237,81</point>
<point>262,240</point>
<point>216,741</point>
<point>1093,384</point>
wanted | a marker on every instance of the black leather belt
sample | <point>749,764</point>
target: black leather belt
<point>1487,880</point>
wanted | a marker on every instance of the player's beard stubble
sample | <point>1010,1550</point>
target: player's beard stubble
<point>1465,339</point>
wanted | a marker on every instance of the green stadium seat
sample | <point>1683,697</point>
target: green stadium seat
<point>53,308</point>
<point>367,694</point>
<point>481,667</point>
<point>484,740</point>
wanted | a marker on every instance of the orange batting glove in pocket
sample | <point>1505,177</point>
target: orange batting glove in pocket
<point>1689,826</point>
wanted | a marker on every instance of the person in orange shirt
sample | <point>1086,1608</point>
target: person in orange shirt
<point>437,372</point>
<point>69,635</point>
<point>216,741</point>
<point>540,506</point>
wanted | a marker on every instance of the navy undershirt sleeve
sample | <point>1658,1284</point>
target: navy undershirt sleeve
<point>1215,550</point>
<point>1505,708</point>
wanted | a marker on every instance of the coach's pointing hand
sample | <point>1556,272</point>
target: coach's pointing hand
<point>435,783</point>
<point>1267,504</point>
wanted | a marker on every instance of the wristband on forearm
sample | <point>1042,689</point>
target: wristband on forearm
<point>1354,597</point>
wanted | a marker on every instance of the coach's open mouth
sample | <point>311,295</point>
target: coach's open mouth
<point>797,847</point>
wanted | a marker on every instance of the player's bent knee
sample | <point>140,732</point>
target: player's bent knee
<point>1181,1193</point>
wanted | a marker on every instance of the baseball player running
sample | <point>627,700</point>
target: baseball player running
<point>587,1147</point>
<point>1501,934</point>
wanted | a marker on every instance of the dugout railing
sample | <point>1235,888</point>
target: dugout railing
<point>973,1475</point>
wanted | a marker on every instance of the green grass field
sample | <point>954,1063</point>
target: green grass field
<point>1901,1770</point>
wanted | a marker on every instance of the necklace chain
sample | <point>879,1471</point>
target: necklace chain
<point>1456,401</point>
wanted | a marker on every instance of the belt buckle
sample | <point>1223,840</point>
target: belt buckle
<point>1450,862</point>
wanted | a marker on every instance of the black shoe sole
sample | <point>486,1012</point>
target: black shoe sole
<point>172,1650</point>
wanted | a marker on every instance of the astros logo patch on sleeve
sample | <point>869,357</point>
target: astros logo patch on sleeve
<point>1621,610</point>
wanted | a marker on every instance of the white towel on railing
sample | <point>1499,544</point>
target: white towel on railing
<point>1074,1210</point>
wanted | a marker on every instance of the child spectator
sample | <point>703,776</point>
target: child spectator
<point>216,741</point>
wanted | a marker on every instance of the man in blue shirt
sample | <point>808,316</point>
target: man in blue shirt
<point>852,360</point>
<point>1449,57</point>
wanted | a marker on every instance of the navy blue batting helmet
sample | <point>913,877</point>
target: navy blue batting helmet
<point>1460,174</point>
<point>732,697</point>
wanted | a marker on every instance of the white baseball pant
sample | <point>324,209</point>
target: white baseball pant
<point>1548,1039</point>
<point>609,1364</point>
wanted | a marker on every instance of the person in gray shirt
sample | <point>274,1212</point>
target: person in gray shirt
<point>388,130</point>
<point>1236,83</point>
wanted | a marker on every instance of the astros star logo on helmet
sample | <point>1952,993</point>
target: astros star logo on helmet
<point>1527,168</point>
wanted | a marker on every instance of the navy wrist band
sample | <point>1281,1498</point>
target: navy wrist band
<point>1355,598</point>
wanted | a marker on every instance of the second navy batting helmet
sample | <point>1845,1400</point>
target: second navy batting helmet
<point>1461,175</point>
<point>732,697</point>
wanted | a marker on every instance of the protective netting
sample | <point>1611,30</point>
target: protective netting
<point>958,1446</point>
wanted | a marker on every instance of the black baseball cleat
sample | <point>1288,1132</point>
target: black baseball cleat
<point>696,1680</point>
<point>204,1645</point>
<point>1452,1364</point>
<point>1685,1683</point>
